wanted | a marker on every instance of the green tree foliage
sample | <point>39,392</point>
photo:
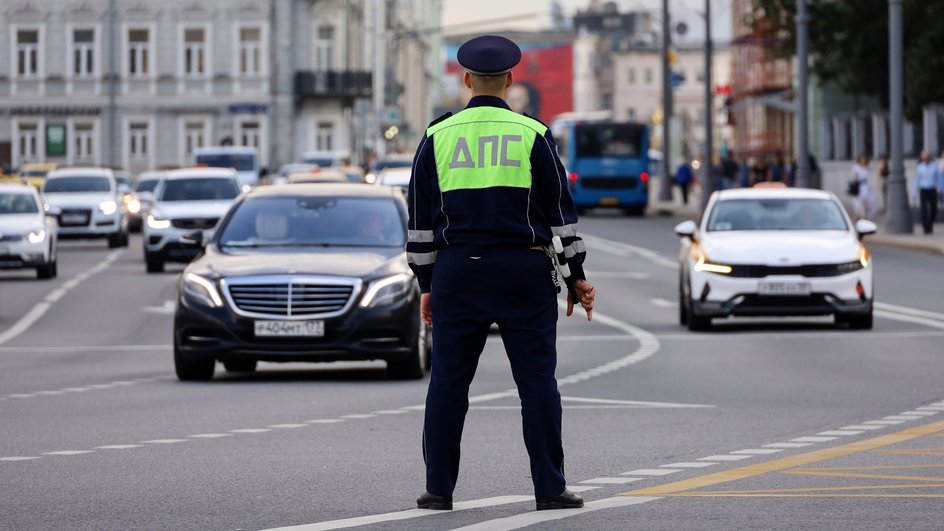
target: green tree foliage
<point>849,45</point>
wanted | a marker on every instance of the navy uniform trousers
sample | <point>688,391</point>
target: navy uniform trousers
<point>513,288</point>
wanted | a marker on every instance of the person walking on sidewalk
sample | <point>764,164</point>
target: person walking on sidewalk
<point>864,201</point>
<point>925,190</point>
<point>683,179</point>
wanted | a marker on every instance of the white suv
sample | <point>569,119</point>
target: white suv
<point>91,205</point>
<point>185,200</point>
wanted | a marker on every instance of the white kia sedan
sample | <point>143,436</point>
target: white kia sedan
<point>774,252</point>
<point>27,232</point>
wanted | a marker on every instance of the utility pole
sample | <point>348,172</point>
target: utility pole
<point>665,188</point>
<point>708,179</point>
<point>899,212</point>
<point>803,92</point>
<point>113,142</point>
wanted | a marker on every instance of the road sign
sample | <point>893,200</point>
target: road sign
<point>676,79</point>
<point>390,116</point>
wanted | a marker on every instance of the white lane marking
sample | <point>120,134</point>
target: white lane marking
<point>931,408</point>
<point>908,311</point>
<point>389,412</point>
<point>167,308</point>
<point>662,303</point>
<point>920,413</point>
<point>842,335</point>
<point>358,416</point>
<point>21,395</point>
<point>636,403</point>
<point>884,422</point>
<point>862,427</point>
<point>787,445</point>
<point>725,457</point>
<point>625,249</point>
<point>19,458</point>
<point>907,318</point>
<point>40,309</point>
<point>689,465</point>
<point>288,426</point>
<point>757,451</point>
<point>93,387</point>
<point>50,393</point>
<point>840,433</point>
<point>813,439</point>
<point>581,488</point>
<point>164,441</point>
<point>89,348</point>
<point>534,518</point>
<point>901,417</point>
<point>209,435</point>
<point>609,481</point>
<point>635,275</point>
<point>323,421</point>
<point>403,515</point>
<point>68,452</point>
<point>650,472</point>
<point>250,430</point>
<point>118,447</point>
<point>581,339</point>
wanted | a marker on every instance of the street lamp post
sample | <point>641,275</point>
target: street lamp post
<point>803,92</point>
<point>708,181</point>
<point>665,188</point>
<point>899,213</point>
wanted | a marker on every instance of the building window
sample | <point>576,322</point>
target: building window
<point>27,53</point>
<point>138,140</point>
<point>632,76</point>
<point>250,51</point>
<point>83,141</point>
<point>26,141</point>
<point>139,51</point>
<point>83,52</point>
<point>631,115</point>
<point>193,138</point>
<point>700,76</point>
<point>324,48</point>
<point>194,52</point>
<point>324,136</point>
<point>249,134</point>
<point>648,76</point>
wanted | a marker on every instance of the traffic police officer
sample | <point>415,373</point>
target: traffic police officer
<point>487,196</point>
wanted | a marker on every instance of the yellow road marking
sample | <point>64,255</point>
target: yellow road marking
<point>802,472</point>
<point>917,451</point>
<point>793,461</point>
<point>883,467</point>
<point>708,494</point>
<point>804,489</point>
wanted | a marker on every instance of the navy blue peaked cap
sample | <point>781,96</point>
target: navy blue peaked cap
<point>489,55</point>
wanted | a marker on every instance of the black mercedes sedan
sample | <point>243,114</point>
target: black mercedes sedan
<point>310,273</point>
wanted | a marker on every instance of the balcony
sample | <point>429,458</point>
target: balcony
<point>333,84</point>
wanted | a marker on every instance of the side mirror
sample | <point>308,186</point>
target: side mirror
<point>193,238</point>
<point>865,227</point>
<point>686,229</point>
<point>53,211</point>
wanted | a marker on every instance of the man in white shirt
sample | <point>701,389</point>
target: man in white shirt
<point>925,190</point>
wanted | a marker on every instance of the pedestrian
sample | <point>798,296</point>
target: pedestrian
<point>729,170</point>
<point>683,179</point>
<point>487,197</point>
<point>925,190</point>
<point>884,170</point>
<point>777,170</point>
<point>864,202</point>
<point>744,174</point>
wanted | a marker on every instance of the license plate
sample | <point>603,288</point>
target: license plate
<point>290,328</point>
<point>609,201</point>
<point>784,288</point>
<point>74,219</point>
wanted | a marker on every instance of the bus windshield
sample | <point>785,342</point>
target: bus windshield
<point>608,140</point>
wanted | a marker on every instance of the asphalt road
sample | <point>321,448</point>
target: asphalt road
<point>814,427</point>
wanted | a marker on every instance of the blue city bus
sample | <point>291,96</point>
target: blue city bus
<point>607,161</point>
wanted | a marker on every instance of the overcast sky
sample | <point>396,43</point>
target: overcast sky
<point>465,16</point>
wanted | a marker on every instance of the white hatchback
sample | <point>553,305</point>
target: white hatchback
<point>28,234</point>
<point>774,252</point>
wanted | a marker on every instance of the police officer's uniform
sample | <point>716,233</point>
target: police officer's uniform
<point>488,193</point>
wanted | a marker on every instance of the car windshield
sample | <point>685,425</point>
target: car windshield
<point>776,214</point>
<point>383,164</point>
<point>146,185</point>
<point>121,179</point>
<point>198,189</point>
<point>34,173</point>
<point>608,140</point>
<point>324,162</point>
<point>239,162</point>
<point>13,203</point>
<point>314,222</point>
<point>76,184</point>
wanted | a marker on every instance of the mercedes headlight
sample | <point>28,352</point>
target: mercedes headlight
<point>37,237</point>
<point>157,223</point>
<point>386,290</point>
<point>108,207</point>
<point>703,264</point>
<point>202,290</point>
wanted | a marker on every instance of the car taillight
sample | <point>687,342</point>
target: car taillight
<point>644,176</point>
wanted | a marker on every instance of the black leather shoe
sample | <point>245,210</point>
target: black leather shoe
<point>566,500</point>
<point>436,503</point>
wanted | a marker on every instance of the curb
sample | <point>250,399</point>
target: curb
<point>906,243</point>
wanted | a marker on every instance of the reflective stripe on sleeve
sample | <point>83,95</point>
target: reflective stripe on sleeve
<point>565,231</point>
<point>421,259</point>
<point>575,248</point>
<point>420,236</point>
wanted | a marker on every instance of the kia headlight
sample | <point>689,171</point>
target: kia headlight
<point>703,264</point>
<point>37,236</point>
<point>108,207</point>
<point>202,289</point>
<point>155,222</point>
<point>386,290</point>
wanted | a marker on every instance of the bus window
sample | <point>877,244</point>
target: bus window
<point>608,140</point>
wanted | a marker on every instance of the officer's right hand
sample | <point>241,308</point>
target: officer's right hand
<point>425,313</point>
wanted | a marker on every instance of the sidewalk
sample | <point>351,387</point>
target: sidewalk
<point>933,243</point>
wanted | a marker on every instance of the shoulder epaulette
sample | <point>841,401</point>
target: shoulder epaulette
<point>437,120</point>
